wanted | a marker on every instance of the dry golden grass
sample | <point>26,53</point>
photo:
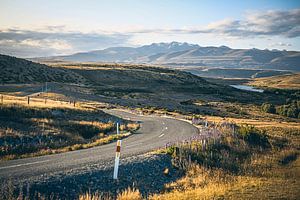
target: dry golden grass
<point>127,194</point>
<point>39,102</point>
<point>256,122</point>
<point>100,125</point>
<point>281,183</point>
<point>273,174</point>
<point>89,196</point>
<point>130,194</point>
<point>282,82</point>
<point>50,101</point>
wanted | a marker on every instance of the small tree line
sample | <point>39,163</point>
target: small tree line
<point>290,109</point>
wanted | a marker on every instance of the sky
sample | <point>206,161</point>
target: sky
<point>33,28</point>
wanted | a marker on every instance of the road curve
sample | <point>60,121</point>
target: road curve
<point>154,132</point>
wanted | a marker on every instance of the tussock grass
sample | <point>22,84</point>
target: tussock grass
<point>258,172</point>
<point>28,130</point>
<point>245,165</point>
<point>90,196</point>
<point>127,194</point>
<point>130,194</point>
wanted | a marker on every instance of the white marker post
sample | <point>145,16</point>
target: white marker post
<point>118,128</point>
<point>117,159</point>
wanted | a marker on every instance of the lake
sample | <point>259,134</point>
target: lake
<point>247,88</point>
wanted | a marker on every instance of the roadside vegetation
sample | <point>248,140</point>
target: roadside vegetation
<point>241,164</point>
<point>246,165</point>
<point>27,131</point>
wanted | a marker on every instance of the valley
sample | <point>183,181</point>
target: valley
<point>149,100</point>
<point>72,119</point>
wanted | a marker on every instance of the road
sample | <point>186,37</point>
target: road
<point>154,132</point>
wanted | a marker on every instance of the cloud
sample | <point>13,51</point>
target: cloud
<point>54,41</point>
<point>57,40</point>
<point>269,23</point>
<point>280,44</point>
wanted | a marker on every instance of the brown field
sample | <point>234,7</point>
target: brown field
<point>280,82</point>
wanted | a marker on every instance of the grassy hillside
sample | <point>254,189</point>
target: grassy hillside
<point>280,82</point>
<point>233,72</point>
<point>53,127</point>
<point>146,86</point>
<point>124,84</point>
<point>16,70</point>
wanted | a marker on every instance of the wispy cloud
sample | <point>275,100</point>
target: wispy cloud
<point>269,23</point>
<point>53,41</point>
<point>281,44</point>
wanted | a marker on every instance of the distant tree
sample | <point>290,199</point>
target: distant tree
<point>292,111</point>
<point>254,136</point>
<point>298,105</point>
<point>268,108</point>
<point>281,110</point>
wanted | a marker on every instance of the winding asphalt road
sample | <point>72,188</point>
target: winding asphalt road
<point>154,132</point>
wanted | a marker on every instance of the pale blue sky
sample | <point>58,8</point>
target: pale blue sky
<point>65,26</point>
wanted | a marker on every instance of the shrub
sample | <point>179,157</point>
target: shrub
<point>223,154</point>
<point>289,110</point>
<point>269,108</point>
<point>288,157</point>
<point>292,111</point>
<point>254,136</point>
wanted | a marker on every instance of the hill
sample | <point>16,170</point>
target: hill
<point>126,54</point>
<point>233,72</point>
<point>184,54</point>
<point>123,84</point>
<point>17,70</point>
<point>283,82</point>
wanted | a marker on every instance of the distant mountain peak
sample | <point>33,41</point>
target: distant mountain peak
<point>224,47</point>
<point>183,53</point>
<point>173,44</point>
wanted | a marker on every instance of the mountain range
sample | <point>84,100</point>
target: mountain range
<point>185,54</point>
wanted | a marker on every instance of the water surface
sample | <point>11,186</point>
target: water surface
<point>247,88</point>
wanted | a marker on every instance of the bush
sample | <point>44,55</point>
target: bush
<point>254,136</point>
<point>289,110</point>
<point>292,111</point>
<point>220,154</point>
<point>268,108</point>
<point>288,157</point>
